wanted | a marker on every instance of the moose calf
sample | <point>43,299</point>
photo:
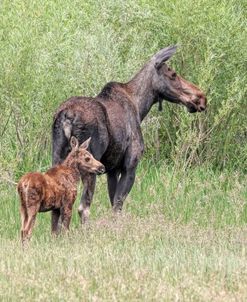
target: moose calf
<point>56,189</point>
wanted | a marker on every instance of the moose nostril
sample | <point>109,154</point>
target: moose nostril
<point>102,169</point>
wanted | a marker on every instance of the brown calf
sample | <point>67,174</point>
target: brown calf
<point>56,189</point>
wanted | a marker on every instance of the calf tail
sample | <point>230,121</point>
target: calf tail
<point>23,197</point>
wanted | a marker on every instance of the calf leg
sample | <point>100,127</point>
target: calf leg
<point>66,210</point>
<point>112,181</point>
<point>89,181</point>
<point>123,188</point>
<point>54,221</point>
<point>23,219</point>
<point>66,217</point>
<point>28,227</point>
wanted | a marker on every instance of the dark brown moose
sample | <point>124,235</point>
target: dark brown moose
<point>55,190</point>
<point>113,120</point>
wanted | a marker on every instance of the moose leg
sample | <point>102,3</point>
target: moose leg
<point>123,188</point>
<point>60,146</point>
<point>54,221</point>
<point>112,181</point>
<point>60,150</point>
<point>89,181</point>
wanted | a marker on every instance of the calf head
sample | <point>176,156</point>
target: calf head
<point>170,86</point>
<point>83,158</point>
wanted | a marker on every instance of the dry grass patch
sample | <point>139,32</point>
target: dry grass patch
<point>130,258</point>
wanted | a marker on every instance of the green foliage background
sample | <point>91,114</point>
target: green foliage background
<point>182,235</point>
<point>51,50</point>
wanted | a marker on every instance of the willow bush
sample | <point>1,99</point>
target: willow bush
<point>51,50</point>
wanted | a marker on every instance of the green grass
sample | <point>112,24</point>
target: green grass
<point>182,236</point>
<point>201,197</point>
<point>134,259</point>
<point>52,50</point>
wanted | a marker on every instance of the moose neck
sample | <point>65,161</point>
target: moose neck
<point>70,163</point>
<point>142,91</point>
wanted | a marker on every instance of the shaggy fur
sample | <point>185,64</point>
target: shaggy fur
<point>113,120</point>
<point>56,189</point>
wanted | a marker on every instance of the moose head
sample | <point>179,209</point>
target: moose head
<point>168,85</point>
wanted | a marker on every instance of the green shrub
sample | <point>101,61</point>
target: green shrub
<point>51,50</point>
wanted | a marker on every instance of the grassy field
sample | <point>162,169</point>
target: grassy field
<point>133,259</point>
<point>183,235</point>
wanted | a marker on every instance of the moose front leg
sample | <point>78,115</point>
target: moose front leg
<point>89,181</point>
<point>123,188</point>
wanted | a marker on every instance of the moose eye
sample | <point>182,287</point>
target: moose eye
<point>87,159</point>
<point>173,76</point>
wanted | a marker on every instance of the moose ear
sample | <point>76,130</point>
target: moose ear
<point>85,145</point>
<point>164,55</point>
<point>74,143</point>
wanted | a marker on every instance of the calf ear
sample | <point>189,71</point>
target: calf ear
<point>85,145</point>
<point>74,143</point>
<point>164,55</point>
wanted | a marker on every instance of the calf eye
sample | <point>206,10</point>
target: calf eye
<point>87,159</point>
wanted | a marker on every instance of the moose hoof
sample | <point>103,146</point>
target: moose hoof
<point>84,215</point>
<point>117,209</point>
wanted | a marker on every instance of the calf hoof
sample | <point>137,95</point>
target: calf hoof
<point>24,243</point>
<point>56,233</point>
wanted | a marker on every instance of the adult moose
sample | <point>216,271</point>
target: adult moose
<point>113,120</point>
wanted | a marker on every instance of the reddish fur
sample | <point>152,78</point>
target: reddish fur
<point>54,190</point>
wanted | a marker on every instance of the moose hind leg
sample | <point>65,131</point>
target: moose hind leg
<point>60,143</point>
<point>89,181</point>
<point>112,181</point>
<point>123,188</point>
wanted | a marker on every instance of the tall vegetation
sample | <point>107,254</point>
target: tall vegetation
<point>182,235</point>
<point>51,50</point>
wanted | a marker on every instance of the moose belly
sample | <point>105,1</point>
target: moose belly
<point>113,156</point>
